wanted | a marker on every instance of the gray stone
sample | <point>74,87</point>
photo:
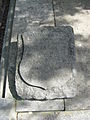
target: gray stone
<point>11,70</point>
<point>7,108</point>
<point>32,13</point>
<point>4,118</point>
<point>50,105</point>
<point>76,13</point>
<point>48,62</point>
<point>0,4</point>
<point>80,102</point>
<point>5,49</point>
<point>68,115</point>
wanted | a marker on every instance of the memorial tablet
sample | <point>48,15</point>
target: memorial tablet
<point>46,63</point>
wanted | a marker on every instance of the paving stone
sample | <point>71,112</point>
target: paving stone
<point>4,118</point>
<point>82,101</point>
<point>69,115</point>
<point>7,109</point>
<point>71,13</point>
<point>50,105</point>
<point>48,62</point>
<point>27,14</point>
<point>76,13</point>
<point>32,13</point>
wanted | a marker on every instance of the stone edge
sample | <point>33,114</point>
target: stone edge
<point>5,52</point>
<point>39,106</point>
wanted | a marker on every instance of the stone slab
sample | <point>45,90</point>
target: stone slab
<point>7,109</point>
<point>32,13</point>
<point>76,13</point>
<point>80,102</point>
<point>68,115</point>
<point>50,105</point>
<point>4,118</point>
<point>47,70</point>
<point>10,91</point>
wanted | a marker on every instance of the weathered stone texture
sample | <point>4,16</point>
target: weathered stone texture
<point>48,62</point>
<point>69,115</point>
<point>80,102</point>
<point>50,105</point>
<point>32,13</point>
<point>7,109</point>
<point>76,13</point>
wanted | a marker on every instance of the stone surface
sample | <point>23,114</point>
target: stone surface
<point>76,13</point>
<point>32,13</point>
<point>5,49</point>
<point>29,13</point>
<point>48,62</point>
<point>7,109</point>
<point>50,105</point>
<point>81,101</point>
<point>39,13</point>
<point>4,118</point>
<point>11,90</point>
<point>69,115</point>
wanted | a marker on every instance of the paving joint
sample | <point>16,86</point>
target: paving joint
<point>54,13</point>
<point>64,105</point>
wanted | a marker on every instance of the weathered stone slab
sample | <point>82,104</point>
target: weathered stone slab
<point>76,13</point>
<point>46,63</point>
<point>5,49</point>
<point>32,13</point>
<point>7,109</point>
<point>50,105</point>
<point>80,102</point>
<point>68,115</point>
<point>28,13</point>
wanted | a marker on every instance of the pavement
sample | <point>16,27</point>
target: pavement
<point>75,13</point>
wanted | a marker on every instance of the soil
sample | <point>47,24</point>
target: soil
<point>4,7</point>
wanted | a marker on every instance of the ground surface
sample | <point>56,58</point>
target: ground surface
<point>77,14</point>
<point>74,13</point>
<point>63,12</point>
<point>39,66</point>
<point>4,5</point>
